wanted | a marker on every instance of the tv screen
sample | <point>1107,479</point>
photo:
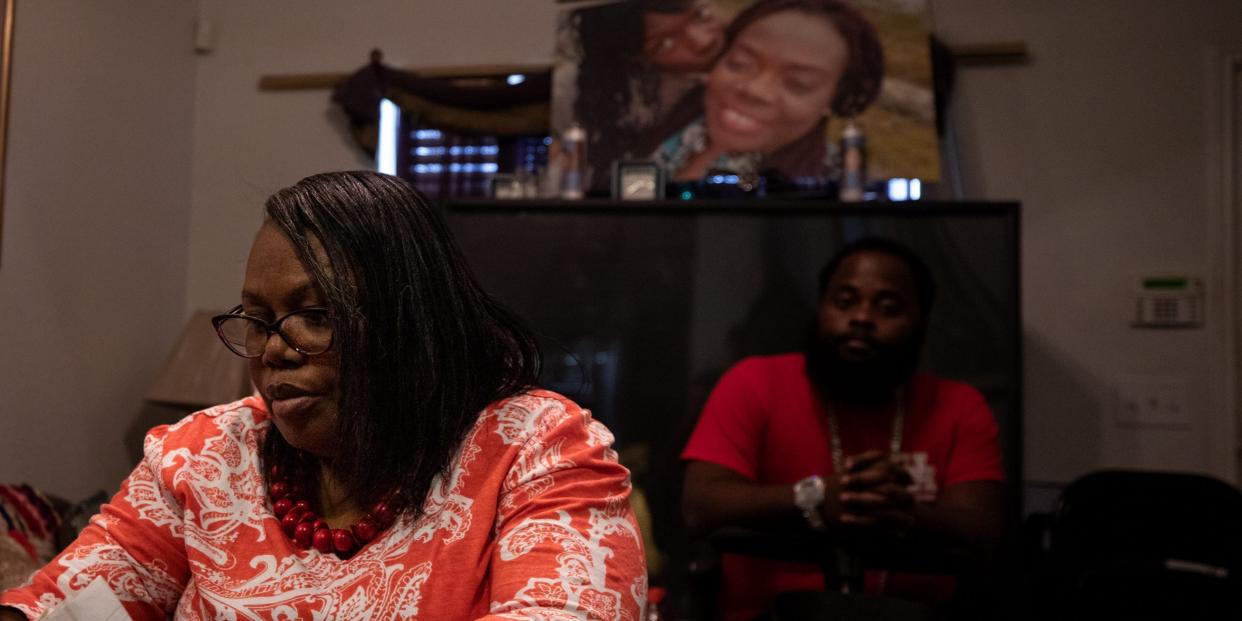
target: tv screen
<point>641,307</point>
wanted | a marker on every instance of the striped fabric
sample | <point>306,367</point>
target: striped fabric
<point>28,518</point>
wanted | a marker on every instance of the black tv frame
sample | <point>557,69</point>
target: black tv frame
<point>463,212</point>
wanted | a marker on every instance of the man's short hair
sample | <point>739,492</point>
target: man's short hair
<point>924,284</point>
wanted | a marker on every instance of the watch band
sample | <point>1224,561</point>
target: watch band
<point>808,495</point>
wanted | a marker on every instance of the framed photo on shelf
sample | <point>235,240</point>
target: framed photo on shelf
<point>637,180</point>
<point>506,186</point>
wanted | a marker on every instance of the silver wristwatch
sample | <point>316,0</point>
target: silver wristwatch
<point>808,495</point>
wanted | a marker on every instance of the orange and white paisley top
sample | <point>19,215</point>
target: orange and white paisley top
<point>531,522</point>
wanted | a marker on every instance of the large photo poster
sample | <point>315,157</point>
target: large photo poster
<point>748,87</point>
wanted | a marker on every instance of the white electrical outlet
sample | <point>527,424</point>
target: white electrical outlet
<point>1153,401</point>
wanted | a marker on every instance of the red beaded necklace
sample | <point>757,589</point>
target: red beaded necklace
<point>308,530</point>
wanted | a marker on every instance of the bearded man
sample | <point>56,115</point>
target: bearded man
<point>847,434</point>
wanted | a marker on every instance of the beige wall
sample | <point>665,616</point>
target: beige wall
<point>1105,136</point>
<point>248,143</point>
<point>96,208</point>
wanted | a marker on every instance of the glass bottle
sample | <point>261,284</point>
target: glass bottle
<point>854,162</point>
<point>573,179</point>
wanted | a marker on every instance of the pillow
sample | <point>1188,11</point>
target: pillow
<point>15,563</point>
<point>28,526</point>
<point>27,518</point>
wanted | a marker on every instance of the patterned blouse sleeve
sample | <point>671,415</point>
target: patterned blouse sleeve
<point>134,544</point>
<point>567,543</point>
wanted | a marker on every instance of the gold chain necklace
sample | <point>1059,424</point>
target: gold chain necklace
<point>894,443</point>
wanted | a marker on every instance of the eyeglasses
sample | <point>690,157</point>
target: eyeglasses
<point>308,331</point>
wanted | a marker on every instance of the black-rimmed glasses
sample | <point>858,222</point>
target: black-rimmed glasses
<point>308,331</point>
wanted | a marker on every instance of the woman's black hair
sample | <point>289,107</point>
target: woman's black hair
<point>612,73</point>
<point>422,348</point>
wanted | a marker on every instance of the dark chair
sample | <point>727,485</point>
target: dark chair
<point>1147,545</point>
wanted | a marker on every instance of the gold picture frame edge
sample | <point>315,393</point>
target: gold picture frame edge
<point>9,8</point>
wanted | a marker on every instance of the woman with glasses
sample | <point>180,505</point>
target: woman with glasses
<point>394,463</point>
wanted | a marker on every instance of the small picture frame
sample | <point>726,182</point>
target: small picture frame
<point>637,180</point>
<point>507,186</point>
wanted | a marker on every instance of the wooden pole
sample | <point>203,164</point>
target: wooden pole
<point>315,81</point>
<point>1000,53</point>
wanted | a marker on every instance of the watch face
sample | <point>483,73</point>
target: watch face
<point>638,184</point>
<point>809,492</point>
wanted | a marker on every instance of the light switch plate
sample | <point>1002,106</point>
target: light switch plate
<point>1153,401</point>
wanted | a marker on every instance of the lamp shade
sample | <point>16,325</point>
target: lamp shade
<point>201,371</point>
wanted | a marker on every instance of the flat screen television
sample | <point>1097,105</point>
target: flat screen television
<point>640,307</point>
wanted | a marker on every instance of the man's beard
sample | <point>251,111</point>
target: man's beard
<point>864,382</point>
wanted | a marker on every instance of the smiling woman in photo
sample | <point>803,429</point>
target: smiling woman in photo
<point>787,66</point>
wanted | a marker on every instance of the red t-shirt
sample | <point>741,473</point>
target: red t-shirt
<point>763,420</point>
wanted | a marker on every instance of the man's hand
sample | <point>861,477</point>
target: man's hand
<point>718,497</point>
<point>875,492</point>
<point>872,493</point>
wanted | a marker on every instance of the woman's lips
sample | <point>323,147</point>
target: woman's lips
<point>739,122</point>
<point>293,407</point>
